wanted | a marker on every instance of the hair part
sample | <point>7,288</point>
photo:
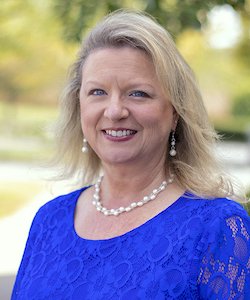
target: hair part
<point>195,166</point>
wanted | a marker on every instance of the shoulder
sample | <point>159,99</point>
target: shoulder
<point>60,204</point>
<point>210,209</point>
<point>227,210</point>
<point>56,213</point>
<point>224,222</point>
<point>231,221</point>
<point>216,216</point>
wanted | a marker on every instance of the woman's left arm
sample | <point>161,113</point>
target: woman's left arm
<point>224,271</point>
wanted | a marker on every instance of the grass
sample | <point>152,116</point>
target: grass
<point>37,155</point>
<point>22,120</point>
<point>15,195</point>
<point>24,132</point>
<point>23,137</point>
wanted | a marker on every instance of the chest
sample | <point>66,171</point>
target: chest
<point>151,262</point>
<point>92,224</point>
<point>96,226</point>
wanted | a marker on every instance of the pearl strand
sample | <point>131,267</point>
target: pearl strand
<point>115,212</point>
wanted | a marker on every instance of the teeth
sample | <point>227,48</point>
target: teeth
<point>119,133</point>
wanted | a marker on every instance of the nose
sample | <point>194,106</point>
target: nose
<point>115,109</point>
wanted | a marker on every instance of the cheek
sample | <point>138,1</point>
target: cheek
<point>86,116</point>
<point>160,118</point>
<point>90,116</point>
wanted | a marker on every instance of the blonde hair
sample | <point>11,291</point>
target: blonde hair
<point>195,166</point>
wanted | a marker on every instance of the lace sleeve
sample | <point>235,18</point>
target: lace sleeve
<point>224,272</point>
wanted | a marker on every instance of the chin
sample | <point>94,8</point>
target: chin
<point>116,158</point>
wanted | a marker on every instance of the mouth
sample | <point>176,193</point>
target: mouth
<point>119,133</point>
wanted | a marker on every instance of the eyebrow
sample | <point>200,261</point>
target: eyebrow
<point>91,82</point>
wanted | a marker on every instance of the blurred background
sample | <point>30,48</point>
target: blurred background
<point>39,40</point>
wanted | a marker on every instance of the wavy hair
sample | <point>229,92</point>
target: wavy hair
<point>195,166</point>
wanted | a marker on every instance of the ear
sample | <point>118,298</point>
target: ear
<point>175,120</point>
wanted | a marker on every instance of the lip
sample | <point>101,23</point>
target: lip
<point>119,138</point>
<point>118,128</point>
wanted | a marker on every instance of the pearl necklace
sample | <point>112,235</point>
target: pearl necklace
<point>115,212</point>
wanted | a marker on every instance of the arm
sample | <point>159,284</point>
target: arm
<point>225,266</point>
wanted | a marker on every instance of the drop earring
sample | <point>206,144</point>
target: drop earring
<point>85,148</point>
<point>172,151</point>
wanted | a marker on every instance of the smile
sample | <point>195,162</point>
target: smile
<point>120,133</point>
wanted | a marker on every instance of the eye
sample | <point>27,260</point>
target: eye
<point>139,94</point>
<point>97,92</point>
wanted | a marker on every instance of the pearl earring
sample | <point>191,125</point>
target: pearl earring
<point>172,151</point>
<point>85,146</point>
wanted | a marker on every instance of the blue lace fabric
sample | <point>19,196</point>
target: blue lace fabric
<point>195,249</point>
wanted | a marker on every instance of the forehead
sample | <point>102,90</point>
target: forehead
<point>126,58</point>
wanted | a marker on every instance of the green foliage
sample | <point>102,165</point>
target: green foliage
<point>233,128</point>
<point>241,105</point>
<point>247,205</point>
<point>242,51</point>
<point>247,208</point>
<point>175,15</point>
<point>33,58</point>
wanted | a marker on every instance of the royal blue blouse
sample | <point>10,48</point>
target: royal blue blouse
<point>195,249</point>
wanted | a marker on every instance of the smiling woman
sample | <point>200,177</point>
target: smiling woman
<point>157,223</point>
<point>120,92</point>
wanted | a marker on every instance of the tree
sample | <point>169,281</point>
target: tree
<point>77,15</point>
<point>33,57</point>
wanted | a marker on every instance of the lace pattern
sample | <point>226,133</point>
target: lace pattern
<point>229,260</point>
<point>195,249</point>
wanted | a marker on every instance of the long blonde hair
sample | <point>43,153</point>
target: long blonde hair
<point>195,166</point>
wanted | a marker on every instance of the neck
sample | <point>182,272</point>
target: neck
<point>124,184</point>
<point>117,211</point>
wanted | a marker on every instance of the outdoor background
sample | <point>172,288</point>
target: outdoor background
<point>39,40</point>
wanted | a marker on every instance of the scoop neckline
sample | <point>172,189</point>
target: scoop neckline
<point>125,234</point>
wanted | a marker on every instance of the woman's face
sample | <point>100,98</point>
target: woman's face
<point>125,116</point>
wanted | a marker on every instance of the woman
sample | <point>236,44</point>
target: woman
<point>156,224</point>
